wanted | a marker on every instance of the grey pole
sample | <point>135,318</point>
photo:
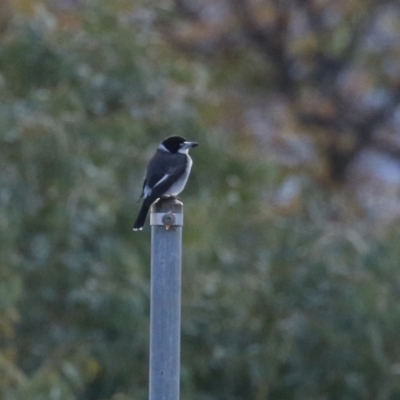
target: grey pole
<point>166,221</point>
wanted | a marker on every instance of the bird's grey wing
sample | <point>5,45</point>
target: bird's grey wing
<point>163,171</point>
<point>143,186</point>
<point>165,167</point>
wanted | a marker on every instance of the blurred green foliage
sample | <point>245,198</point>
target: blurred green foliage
<point>304,306</point>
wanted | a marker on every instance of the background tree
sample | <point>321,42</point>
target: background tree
<point>290,292</point>
<point>321,69</point>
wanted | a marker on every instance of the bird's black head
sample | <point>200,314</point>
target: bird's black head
<point>175,144</point>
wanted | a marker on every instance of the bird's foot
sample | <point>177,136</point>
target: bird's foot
<point>170,196</point>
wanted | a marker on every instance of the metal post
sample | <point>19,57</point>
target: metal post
<point>166,221</point>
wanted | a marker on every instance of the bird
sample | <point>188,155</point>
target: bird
<point>167,174</point>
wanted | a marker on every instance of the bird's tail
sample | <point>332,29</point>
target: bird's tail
<point>141,218</point>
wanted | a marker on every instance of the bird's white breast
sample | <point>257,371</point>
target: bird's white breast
<point>179,185</point>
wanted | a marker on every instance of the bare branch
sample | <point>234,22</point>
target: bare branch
<point>270,43</point>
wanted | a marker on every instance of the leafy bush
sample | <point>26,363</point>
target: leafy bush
<point>297,306</point>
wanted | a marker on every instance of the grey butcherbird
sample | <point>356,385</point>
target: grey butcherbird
<point>167,174</point>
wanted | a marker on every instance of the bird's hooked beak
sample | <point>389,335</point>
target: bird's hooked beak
<point>189,145</point>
